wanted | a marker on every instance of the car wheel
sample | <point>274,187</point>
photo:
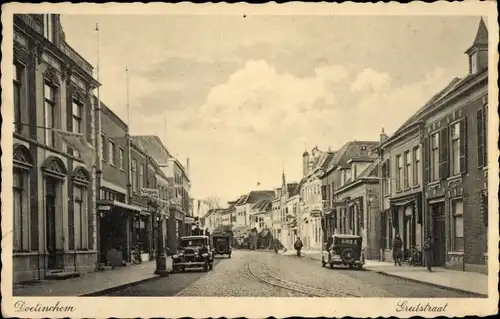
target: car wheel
<point>183,269</point>
<point>229,255</point>
<point>331,266</point>
<point>211,265</point>
<point>205,266</point>
<point>323,263</point>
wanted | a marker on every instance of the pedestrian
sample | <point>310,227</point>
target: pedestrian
<point>428,253</point>
<point>298,246</point>
<point>397,247</point>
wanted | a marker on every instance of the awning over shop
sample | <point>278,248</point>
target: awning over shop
<point>414,201</point>
<point>107,205</point>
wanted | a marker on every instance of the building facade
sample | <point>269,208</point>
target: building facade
<point>115,213</point>
<point>401,186</point>
<point>455,166</point>
<point>311,212</point>
<point>55,227</point>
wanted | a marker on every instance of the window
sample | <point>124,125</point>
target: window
<point>399,172</point>
<point>416,165</point>
<point>50,114</point>
<point>18,96</point>
<point>455,148</point>
<point>80,217</point>
<point>435,157</point>
<point>121,159</point>
<point>103,149</point>
<point>141,176</point>
<point>20,194</point>
<point>473,62</point>
<point>77,121</point>
<point>48,27</point>
<point>134,174</point>
<point>407,170</point>
<point>111,152</point>
<point>458,225</point>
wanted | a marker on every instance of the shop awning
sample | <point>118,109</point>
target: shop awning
<point>107,205</point>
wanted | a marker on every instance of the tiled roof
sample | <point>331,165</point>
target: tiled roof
<point>352,149</point>
<point>263,204</point>
<point>255,196</point>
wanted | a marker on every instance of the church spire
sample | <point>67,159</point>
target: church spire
<point>478,52</point>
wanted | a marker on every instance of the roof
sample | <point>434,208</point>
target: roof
<point>416,116</point>
<point>352,149</point>
<point>263,204</point>
<point>370,171</point>
<point>255,196</point>
<point>291,187</point>
<point>154,147</point>
<point>213,211</point>
<point>297,188</point>
<point>482,34</point>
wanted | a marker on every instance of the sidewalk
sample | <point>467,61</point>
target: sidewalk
<point>92,283</point>
<point>469,282</point>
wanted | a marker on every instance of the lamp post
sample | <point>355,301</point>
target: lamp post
<point>369,200</point>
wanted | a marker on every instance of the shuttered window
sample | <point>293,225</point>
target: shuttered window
<point>463,145</point>
<point>481,132</point>
<point>444,154</point>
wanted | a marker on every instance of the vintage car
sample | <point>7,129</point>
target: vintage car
<point>343,250</point>
<point>222,245</point>
<point>193,252</point>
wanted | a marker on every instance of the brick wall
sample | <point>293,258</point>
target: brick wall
<point>475,230</point>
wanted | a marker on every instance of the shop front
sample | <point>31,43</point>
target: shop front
<point>407,220</point>
<point>118,231</point>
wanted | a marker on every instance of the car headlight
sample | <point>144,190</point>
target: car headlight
<point>175,256</point>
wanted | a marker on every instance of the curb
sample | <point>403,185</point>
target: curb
<point>428,283</point>
<point>119,287</point>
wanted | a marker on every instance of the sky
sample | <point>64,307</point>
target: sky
<point>243,97</point>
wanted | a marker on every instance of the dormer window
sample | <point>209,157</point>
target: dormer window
<point>473,63</point>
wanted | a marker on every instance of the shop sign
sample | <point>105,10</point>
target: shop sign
<point>149,193</point>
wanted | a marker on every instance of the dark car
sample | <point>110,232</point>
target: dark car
<point>343,250</point>
<point>193,252</point>
<point>222,245</point>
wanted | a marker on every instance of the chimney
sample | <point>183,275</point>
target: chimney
<point>383,136</point>
<point>187,167</point>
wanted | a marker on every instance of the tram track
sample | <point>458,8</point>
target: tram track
<point>264,275</point>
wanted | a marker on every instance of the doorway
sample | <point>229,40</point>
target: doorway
<point>439,233</point>
<point>50,229</point>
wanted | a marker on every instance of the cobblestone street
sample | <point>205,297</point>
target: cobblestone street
<point>266,274</point>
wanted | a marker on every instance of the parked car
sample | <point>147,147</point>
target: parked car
<point>343,250</point>
<point>222,245</point>
<point>193,252</point>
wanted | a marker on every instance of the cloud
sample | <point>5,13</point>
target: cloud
<point>370,80</point>
<point>391,105</point>
<point>259,97</point>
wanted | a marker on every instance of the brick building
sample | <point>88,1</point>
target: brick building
<point>455,166</point>
<point>55,228</point>
<point>451,131</point>
<point>116,213</point>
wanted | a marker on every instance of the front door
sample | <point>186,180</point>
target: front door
<point>50,211</point>
<point>439,234</point>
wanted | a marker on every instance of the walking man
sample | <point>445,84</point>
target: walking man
<point>298,246</point>
<point>397,246</point>
<point>428,253</point>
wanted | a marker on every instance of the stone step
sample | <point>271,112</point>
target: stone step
<point>60,274</point>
